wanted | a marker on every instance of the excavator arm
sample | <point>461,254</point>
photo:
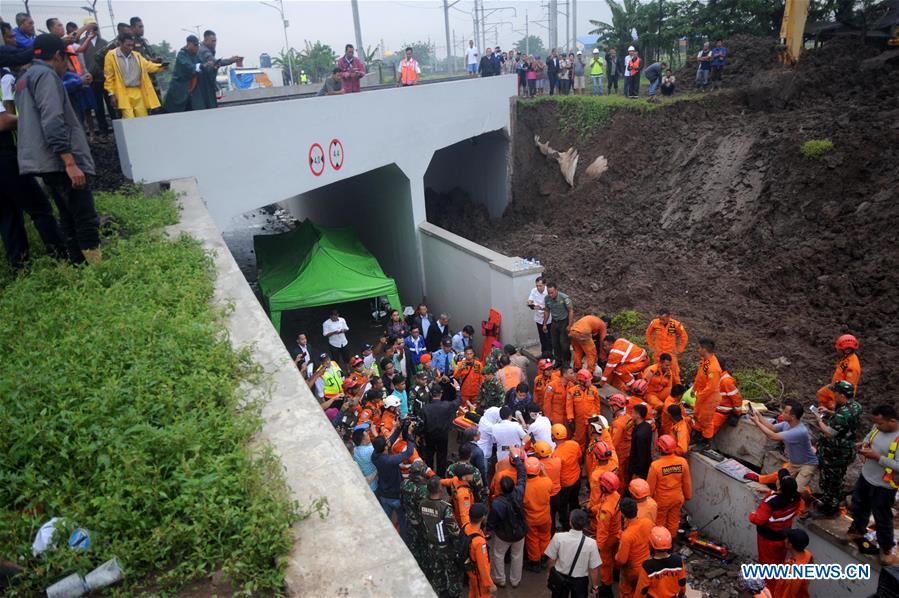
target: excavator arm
<point>792,29</point>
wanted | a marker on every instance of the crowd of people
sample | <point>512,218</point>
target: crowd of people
<point>541,480</point>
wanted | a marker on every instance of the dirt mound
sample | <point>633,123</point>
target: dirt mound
<point>746,55</point>
<point>106,160</point>
<point>710,207</point>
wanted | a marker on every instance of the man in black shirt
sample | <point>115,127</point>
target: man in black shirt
<point>641,444</point>
<point>390,478</point>
<point>438,418</point>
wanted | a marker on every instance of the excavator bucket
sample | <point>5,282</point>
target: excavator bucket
<point>792,29</point>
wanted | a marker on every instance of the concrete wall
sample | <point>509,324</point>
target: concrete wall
<point>477,165</point>
<point>327,557</point>
<point>465,279</point>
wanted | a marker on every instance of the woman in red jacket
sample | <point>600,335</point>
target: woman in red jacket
<point>773,516</point>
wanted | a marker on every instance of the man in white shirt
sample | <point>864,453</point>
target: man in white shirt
<point>507,433</point>
<point>334,329</point>
<point>540,427</point>
<point>485,427</point>
<point>472,58</point>
<point>561,552</point>
<point>537,302</point>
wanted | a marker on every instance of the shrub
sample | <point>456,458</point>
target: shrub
<point>627,323</point>
<point>758,384</point>
<point>815,148</point>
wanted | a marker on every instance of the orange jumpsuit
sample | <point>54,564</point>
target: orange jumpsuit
<point>569,453</point>
<point>607,522</point>
<point>625,360</point>
<point>552,467</point>
<point>555,399</point>
<point>479,580</point>
<point>595,489</point>
<point>581,335</point>
<point>707,387</point>
<point>662,577</point>
<point>510,376</point>
<point>470,378</point>
<point>537,514</point>
<point>659,386</point>
<point>794,588</point>
<point>462,499</point>
<point>406,466</point>
<point>670,485</point>
<point>671,339</point>
<point>580,404</point>
<point>539,387</point>
<point>849,369</point>
<point>633,551</point>
<point>731,402</point>
<point>622,430</point>
<point>667,422</point>
<point>681,433</point>
<point>648,509</point>
<point>387,420</point>
<point>495,490</point>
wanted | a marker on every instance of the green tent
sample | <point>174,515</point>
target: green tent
<point>312,266</point>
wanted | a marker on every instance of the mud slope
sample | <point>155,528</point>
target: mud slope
<point>709,208</point>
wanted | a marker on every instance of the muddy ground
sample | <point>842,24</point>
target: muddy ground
<point>710,208</point>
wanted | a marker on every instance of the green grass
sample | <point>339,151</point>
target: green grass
<point>758,384</point>
<point>121,412</point>
<point>815,148</point>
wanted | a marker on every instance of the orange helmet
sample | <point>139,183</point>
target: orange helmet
<point>545,364</point>
<point>660,538</point>
<point>638,488</point>
<point>532,465</point>
<point>584,376</point>
<point>609,482</point>
<point>350,383</point>
<point>618,401</point>
<point>667,444</point>
<point>847,341</point>
<point>639,387</point>
<point>601,450</point>
<point>559,431</point>
<point>543,449</point>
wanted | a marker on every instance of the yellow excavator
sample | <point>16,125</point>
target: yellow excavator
<point>792,28</point>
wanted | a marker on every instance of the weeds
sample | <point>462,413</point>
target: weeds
<point>121,412</point>
<point>759,383</point>
<point>815,148</point>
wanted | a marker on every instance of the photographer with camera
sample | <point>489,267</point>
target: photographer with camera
<point>390,478</point>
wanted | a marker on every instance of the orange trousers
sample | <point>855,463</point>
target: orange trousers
<point>718,421</point>
<point>703,416</point>
<point>583,345</point>
<point>627,585</point>
<point>826,398</point>
<point>623,376</point>
<point>474,589</point>
<point>669,517</point>
<point>580,432</point>
<point>607,556</point>
<point>675,368</point>
<point>538,537</point>
<point>652,399</point>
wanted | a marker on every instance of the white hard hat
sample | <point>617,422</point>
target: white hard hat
<point>596,50</point>
<point>392,401</point>
<point>631,49</point>
<point>579,52</point>
<point>604,421</point>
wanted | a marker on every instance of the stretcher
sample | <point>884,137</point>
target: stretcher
<point>466,420</point>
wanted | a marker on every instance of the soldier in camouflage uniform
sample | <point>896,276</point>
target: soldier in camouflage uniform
<point>441,532</point>
<point>492,360</point>
<point>419,393</point>
<point>492,392</point>
<point>412,492</point>
<point>477,483</point>
<point>836,448</point>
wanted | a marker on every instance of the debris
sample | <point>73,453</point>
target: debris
<point>780,362</point>
<point>68,587</point>
<point>597,167</point>
<point>567,160</point>
<point>44,537</point>
<point>105,575</point>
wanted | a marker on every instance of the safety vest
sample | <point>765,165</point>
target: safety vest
<point>333,379</point>
<point>729,395</point>
<point>888,475</point>
<point>634,66</point>
<point>304,78</point>
<point>408,71</point>
<point>596,68</point>
<point>74,61</point>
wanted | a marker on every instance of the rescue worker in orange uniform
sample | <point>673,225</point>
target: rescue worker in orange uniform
<point>675,398</point>
<point>646,505</point>
<point>848,368</point>
<point>480,584</point>
<point>555,396</point>
<point>581,403</point>
<point>584,335</point>
<point>552,467</point>
<point>537,513</point>
<point>625,359</point>
<point>605,461</point>
<point>680,430</point>
<point>460,488</point>
<point>797,554</point>
<point>470,374</point>
<point>731,406</point>
<point>389,415</point>
<point>707,388</point>
<point>607,523</point>
<point>667,335</point>
<point>569,453</point>
<point>622,430</point>
<point>670,484</point>
<point>600,433</point>
<point>664,574</point>
<point>541,381</point>
<point>633,549</point>
<point>505,469</point>
<point>660,380</point>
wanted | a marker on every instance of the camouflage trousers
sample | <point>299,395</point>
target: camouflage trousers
<point>443,573</point>
<point>832,466</point>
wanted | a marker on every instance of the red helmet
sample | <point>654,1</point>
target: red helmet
<point>618,401</point>
<point>584,376</point>
<point>609,482</point>
<point>660,538</point>
<point>847,341</point>
<point>350,383</point>
<point>545,364</point>
<point>639,387</point>
<point>601,450</point>
<point>639,488</point>
<point>667,444</point>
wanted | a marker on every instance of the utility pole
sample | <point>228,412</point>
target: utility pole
<point>357,26</point>
<point>285,24</point>
<point>553,24</point>
<point>446,7</point>
<point>111,15</point>
<point>527,35</point>
<point>567,26</point>
<point>574,25</point>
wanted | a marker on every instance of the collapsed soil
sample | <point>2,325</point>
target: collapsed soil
<point>710,209</point>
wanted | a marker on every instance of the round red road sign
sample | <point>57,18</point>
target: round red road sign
<point>316,159</point>
<point>335,154</point>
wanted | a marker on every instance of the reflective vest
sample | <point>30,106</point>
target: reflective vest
<point>596,68</point>
<point>333,379</point>
<point>408,71</point>
<point>304,78</point>
<point>888,475</point>
<point>731,399</point>
<point>634,66</point>
<point>73,60</point>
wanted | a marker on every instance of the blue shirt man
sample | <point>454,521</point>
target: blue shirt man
<point>415,344</point>
<point>444,359</point>
<point>462,339</point>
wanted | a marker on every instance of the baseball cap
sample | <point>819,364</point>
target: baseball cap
<point>46,45</point>
<point>365,347</point>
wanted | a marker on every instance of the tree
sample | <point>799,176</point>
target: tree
<point>531,44</point>
<point>624,20</point>
<point>316,59</point>
<point>288,61</point>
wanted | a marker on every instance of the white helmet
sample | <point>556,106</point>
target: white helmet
<point>579,53</point>
<point>631,49</point>
<point>604,421</point>
<point>392,401</point>
<point>596,50</point>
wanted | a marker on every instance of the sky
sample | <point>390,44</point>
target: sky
<point>250,28</point>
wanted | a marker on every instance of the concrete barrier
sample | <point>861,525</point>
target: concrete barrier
<point>744,442</point>
<point>333,556</point>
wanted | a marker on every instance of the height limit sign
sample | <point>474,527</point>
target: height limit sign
<point>316,159</point>
<point>335,154</point>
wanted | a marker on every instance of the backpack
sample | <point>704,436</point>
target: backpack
<point>462,555</point>
<point>514,527</point>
